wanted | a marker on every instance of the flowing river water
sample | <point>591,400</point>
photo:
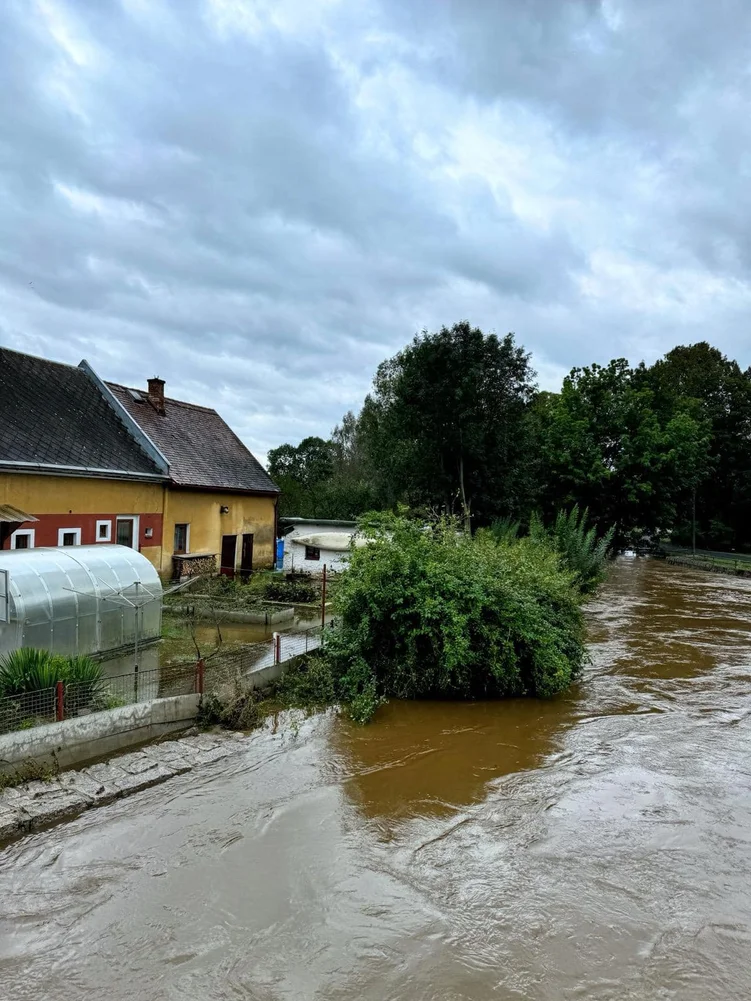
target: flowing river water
<point>593,847</point>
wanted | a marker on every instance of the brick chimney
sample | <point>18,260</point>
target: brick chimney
<point>156,394</point>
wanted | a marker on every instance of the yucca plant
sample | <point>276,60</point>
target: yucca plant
<point>30,676</point>
<point>29,670</point>
<point>84,684</point>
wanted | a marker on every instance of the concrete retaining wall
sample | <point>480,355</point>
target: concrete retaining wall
<point>268,617</point>
<point>85,738</point>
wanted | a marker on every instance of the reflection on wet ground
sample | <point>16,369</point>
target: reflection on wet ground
<point>595,847</point>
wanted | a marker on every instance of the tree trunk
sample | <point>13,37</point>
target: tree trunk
<point>465,505</point>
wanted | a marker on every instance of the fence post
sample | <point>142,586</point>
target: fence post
<point>277,641</point>
<point>60,707</point>
<point>323,598</point>
<point>200,666</point>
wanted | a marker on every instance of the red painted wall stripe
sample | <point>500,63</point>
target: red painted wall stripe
<point>46,528</point>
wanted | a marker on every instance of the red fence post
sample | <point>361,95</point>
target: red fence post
<point>200,666</point>
<point>60,707</point>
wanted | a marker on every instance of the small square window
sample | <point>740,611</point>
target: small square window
<point>181,538</point>
<point>69,537</point>
<point>104,531</point>
<point>22,538</point>
<point>312,553</point>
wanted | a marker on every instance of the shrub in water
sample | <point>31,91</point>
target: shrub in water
<point>441,614</point>
<point>307,683</point>
<point>84,686</point>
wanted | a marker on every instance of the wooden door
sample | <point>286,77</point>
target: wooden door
<point>246,559</point>
<point>124,532</point>
<point>229,552</point>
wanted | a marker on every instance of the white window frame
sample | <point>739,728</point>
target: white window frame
<point>29,533</point>
<point>186,551</point>
<point>136,519</point>
<point>66,531</point>
<point>108,536</point>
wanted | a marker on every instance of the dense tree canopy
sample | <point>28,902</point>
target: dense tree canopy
<point>454,425</point>
<point>445,425</point>
<point>607,447</point>
<point>700,380</point>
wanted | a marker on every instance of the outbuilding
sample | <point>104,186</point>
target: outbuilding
<point>310,544</point>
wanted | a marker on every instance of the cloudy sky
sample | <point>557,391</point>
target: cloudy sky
<point>259,200</point>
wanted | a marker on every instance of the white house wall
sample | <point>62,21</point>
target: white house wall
<point>294,553</point>
<point>294,559</point>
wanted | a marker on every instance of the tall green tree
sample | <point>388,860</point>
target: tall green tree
<point>322,478</point>
<point>608,449</point>
<point>445,426</point>
<point>302,472</point>
<point>698,379</point>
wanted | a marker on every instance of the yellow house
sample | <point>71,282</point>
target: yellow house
<point>94,462</point>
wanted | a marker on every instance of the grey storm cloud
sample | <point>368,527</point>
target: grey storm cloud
<point>262,199</point>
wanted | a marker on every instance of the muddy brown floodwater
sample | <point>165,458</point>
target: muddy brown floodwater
<point>595,847</point>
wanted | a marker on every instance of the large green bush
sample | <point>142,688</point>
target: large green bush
<point>436,613</point>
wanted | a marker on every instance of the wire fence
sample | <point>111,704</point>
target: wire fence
<point>727,563</point>
<point>68,700</point>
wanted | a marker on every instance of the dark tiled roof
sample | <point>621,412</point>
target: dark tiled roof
<point>202,451</point>
<point>54,414</point>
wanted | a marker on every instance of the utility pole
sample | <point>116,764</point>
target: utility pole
<point>693,520</point>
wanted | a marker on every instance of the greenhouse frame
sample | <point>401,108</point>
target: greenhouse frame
<point>97,600</point>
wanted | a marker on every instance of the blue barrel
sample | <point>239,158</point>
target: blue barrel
<point>279,554</point>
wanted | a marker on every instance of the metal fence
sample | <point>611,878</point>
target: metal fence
<point>727,563</point>
<point>70,699</point>
<point>667,549</point>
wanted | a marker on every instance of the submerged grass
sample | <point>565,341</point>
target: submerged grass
<point>28,771</point>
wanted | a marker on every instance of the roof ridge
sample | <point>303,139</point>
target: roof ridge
<point>167,399</point>
<point>47,361</point>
